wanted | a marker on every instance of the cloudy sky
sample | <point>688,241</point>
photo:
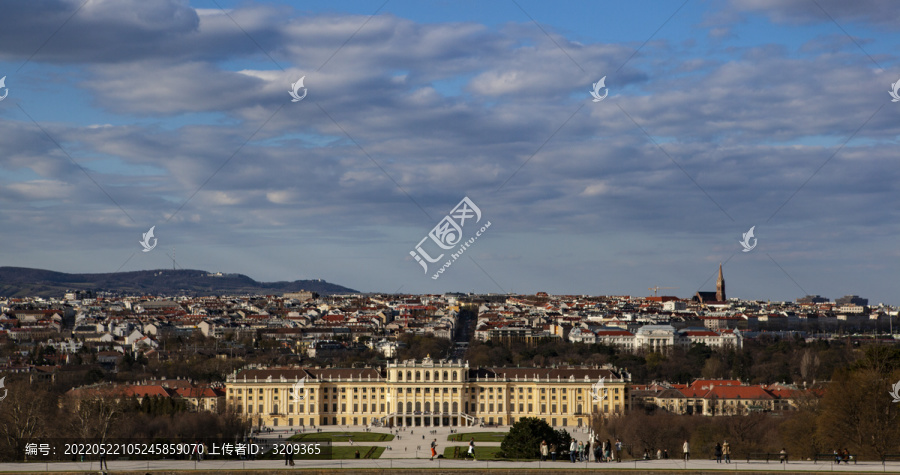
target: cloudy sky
<point>120,115</point>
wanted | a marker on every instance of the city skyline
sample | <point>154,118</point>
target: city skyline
<point>305,140</point>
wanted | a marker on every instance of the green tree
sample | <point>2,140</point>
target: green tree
<point>523,441</point>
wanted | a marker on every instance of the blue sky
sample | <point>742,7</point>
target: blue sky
<point>721,115</point>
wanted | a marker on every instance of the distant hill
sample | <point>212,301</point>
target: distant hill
<point>24,282</point>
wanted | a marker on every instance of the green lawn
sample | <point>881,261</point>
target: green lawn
<point>349,451</point>
<point>344,436</point>
<point>479,437</point>
<point>481,453</point>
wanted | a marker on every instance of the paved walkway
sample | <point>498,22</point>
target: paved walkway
<point>411,451</point>
<point>414,442</point>
<point>269,465</point>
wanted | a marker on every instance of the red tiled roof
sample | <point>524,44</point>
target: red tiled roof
<point>740,392</point>
<point>197,392</point>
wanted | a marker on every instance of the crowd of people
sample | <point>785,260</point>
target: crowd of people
<point>605,451</point>
<point>579,451</point>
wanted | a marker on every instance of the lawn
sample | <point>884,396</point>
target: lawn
<point>479,436</point>
<point>349,451</point>
<point>481,453</point>
<point>344,436</point>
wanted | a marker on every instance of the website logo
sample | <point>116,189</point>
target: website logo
<point>747,236</point>
<point>448,236</point>
<point>296,87</point>
<point>598,390</point>
<point>297,389</point>
<point>147,237</point>
<point>601,84</point>
<point>893,93</point>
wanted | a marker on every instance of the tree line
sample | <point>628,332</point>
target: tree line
<point>35,411</point>
<point>853,411</point>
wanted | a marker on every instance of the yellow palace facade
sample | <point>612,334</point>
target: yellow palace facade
<point>426,393</point>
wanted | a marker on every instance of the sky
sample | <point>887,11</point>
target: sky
<point>713,117</point>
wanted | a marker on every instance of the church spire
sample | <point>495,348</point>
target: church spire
<point>720,286</point>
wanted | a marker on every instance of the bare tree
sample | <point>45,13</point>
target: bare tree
<point>24,414</point>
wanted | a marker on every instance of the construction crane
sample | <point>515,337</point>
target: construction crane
<point>656,289</point>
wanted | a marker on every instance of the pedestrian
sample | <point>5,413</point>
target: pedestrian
<point>686,449</point>
<point>580,450</point>
<point>665,454</point>
<point>782,456</point>
<point>608,453</point>
<point>103,461</point>
<point>598,451</point>
<point>553,452</point>
<point>658,454</point>
<point>573,449</point>
<point>618,450</point>
<point>718,452</point>
<point>433,449</point>
<point>472,449</point>
<point>291,456</point>
<point>726,451</point>
<point>545,451</point>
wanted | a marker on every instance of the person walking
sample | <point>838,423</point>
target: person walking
<point>573,447</point>
<point>608,453</point>
<point>433,449</point>
<point>103,461</point>
<point>726,451</point>
<point>553,452</point>
<point>580,451</point>
<point>782,456</point>
<point>718,452</point>
<point>686,449</point>
<point>618,450</point>
<point>545,451</point>
<point>472,449</point>
<point>598,450</point>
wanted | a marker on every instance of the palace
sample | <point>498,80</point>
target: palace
<point>426,393</point>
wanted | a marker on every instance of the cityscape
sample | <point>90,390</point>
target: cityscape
<point>301,364</point>
<point>426,236</point>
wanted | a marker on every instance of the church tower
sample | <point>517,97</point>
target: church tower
<point>720,286</point>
